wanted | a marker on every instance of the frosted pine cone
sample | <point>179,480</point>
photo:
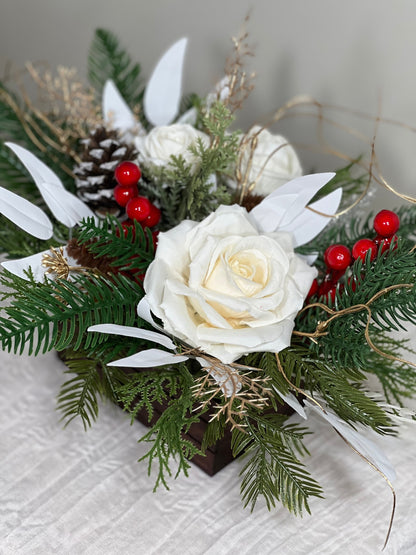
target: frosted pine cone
<point>103,151</point>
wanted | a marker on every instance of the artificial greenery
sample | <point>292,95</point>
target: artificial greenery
<point>89,381</point>
<point>107,59</point>
<point>187,191</point>
<point>338,343</point>
<point>129,249</point>
<point>273,470</point>
<point>168,436</point>
<point>56,314</point>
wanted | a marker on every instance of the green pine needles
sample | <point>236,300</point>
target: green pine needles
<point>56,314</point>
<point>273,470</point>
<point>107,59</point>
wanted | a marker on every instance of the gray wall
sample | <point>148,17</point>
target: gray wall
<point>359,54</point>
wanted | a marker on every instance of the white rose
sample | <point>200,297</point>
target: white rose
<point>274,162</point>
<point>157,147</point>
<point>226,288</point>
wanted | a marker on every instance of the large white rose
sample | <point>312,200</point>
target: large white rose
<point>273,162</point>
<point>226,288</point>
<point>157,147</point>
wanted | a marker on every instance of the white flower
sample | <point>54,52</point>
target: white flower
<point>269,161</point>
<point>165,141</point>
<point>225,287</point>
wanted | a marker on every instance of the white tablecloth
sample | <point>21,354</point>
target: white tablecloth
<point>67,491</point>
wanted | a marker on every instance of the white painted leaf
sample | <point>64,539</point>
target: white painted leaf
<point>271,211</point>
<point>129,331</point>
<point>66,207</point>
<point>308,224</point>
<point>363,445</point>
<point>25,215</point>
<point>144,312</point>
<point>291,400</point>
<point>116,112</point>
<point>164,90</point>
<point>148,359</point>
<point>34,261</point>
<point>285,203</point>
<point>190,117</point>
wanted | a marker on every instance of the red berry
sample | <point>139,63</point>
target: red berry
<point>138,208</point>
<point>337,257</point>
<point>153,218</point>
<point>123,193</point>
<point>127,173</point>
<point>314,289</point>
<point>386,223</point>
<point>331,293</point>
<point>361,247</point>
<point>155,237</point>
<point>326,285</point>
<point>384,243</point>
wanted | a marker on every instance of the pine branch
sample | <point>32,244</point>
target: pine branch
<point>273,470</point>
<point>348,229</point>
<point>397,379</point>
<point>339,386</point>
<point>345,343</point>
<point>92,381</point>
<point>16,243</point>
<point>108,60</point>
<point>56,314</point>
<point>130,251</point>
<point>11,127</point>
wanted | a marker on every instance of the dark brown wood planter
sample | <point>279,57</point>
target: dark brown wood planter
<point>216,456</point>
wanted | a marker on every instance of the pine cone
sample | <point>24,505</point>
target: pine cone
<point>103,151</point>
<point>85,258</point>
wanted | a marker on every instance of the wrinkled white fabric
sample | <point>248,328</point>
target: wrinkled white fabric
<point>70,492</point>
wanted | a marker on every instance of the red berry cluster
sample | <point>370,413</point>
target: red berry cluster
<point>339,257</point>
<point>126,194</point>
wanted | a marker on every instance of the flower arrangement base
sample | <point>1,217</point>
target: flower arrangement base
<point>216,457</point>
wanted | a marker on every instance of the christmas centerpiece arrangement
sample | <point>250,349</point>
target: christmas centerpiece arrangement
<point>194,275</point>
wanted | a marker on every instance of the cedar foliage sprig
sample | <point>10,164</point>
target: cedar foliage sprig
<point>146,388</point>
<point>189,192</point>
<point>167,436</point>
